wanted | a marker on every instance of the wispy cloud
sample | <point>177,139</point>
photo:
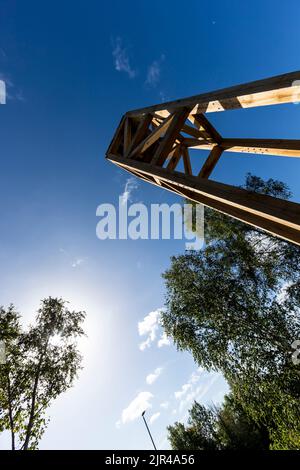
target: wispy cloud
<point>197,386</point>
<point>77,262</point>
<point>163,97</point>
<point>11,91</point>
<point>134,410</point>
<point>151,378</point>
<point>193,379</point>
<point>154,417</point>
<point>197,392</point>
<point>121,58</point>
<point>154,72</point>
<point>74,262</point>
<point>130,185</point>
<point>7,80</point>
<point>150,327</point>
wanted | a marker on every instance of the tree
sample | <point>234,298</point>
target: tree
<point>235,306</point>
<point>41,363</point>
<point>238,430</point>
<point>226,428</point>
<point>199,434</point>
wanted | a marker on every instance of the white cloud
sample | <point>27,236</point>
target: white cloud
<point>154,71</point>
<point>145,344</point>
<point>163,341</point>
<point>165,405</point>
<point>193,379</point>
<point>183,391</point>
<point>121,58</point>
<point>154,417</point>
<point>149,324</point>
<point>149,327</point>
<point>134,410</point>
<point>151,378</point>
<point>130,185</point>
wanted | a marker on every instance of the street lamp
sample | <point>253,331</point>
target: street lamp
<point>143,416</point>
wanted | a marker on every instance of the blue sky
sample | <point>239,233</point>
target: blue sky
<point>72,69</point>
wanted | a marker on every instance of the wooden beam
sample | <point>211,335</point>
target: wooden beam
<point>277,216</point>
<point>274,90</point>
<point>163,113</point>
<point>211,162</point>
<point>167,142</point>
<point>156,123</point>
<point>186,161</point>
<point>198,134</point>
<point>153,137</point>
<point>140,132</point>
<point>174,160</point>
<point>191,142</point>
<point>175,147</point>
<point>282,147</point>
<point>200,121</point>
<point>117,138</point>
<point>272,228</point>
<point>127,134</point>
<point>253,146</point>
<point>141,176</point>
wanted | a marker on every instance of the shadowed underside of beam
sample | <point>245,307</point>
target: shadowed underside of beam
<point>151,143</point>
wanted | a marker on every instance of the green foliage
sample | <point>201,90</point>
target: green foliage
<point>235,306</point>
<point>227,428</point>
<point>199,434</point>
<point>41,363</point>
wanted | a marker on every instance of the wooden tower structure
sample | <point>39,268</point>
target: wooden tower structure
<point>150,142</point>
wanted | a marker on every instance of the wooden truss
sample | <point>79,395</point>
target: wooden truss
<point>150,142</point>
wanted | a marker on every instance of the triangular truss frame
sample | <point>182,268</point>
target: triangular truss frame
<point>150,142</point>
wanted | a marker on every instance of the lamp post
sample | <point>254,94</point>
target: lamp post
<point>143,416</point>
